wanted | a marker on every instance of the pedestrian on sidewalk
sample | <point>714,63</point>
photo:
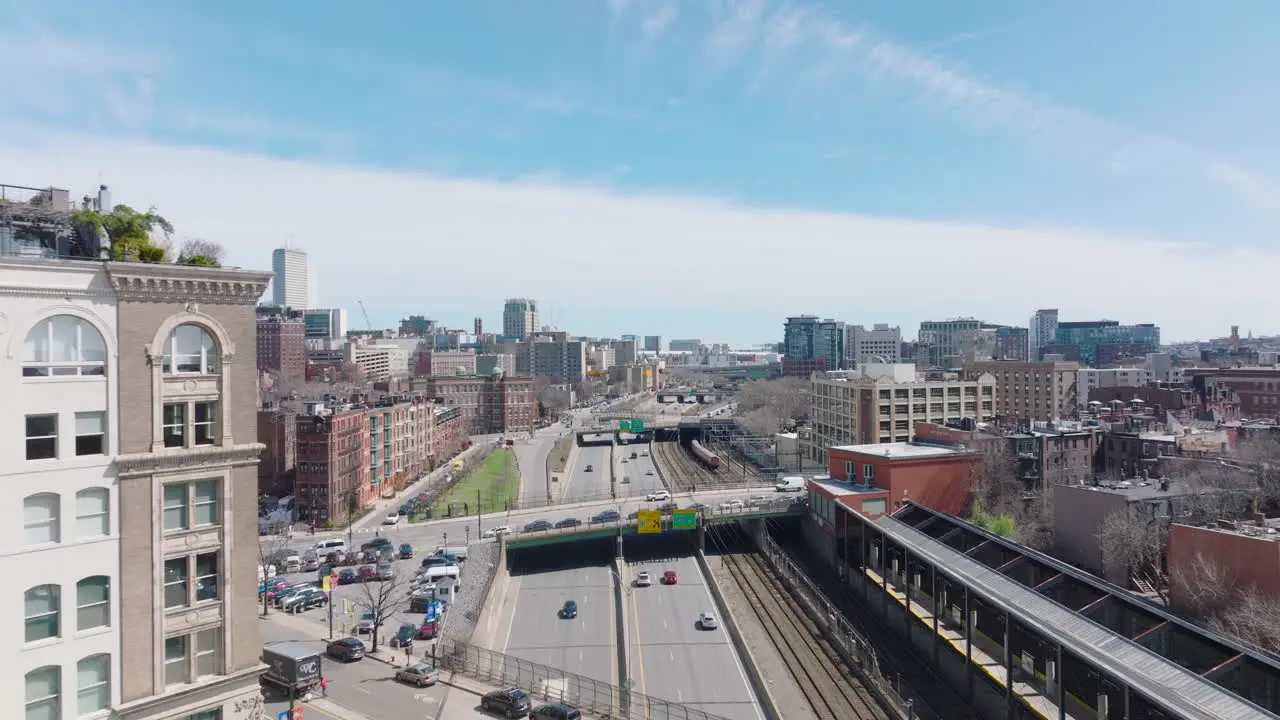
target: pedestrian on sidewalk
<point>324,688</point>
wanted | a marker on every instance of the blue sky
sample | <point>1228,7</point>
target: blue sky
<point>1137,133</point>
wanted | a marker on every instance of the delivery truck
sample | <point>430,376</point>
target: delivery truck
<point>292,666</point>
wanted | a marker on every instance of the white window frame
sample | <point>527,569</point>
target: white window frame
<point>35,369</point>
<point>54,700</point>
<point>192,578</point>
<point>204,360</point>
<point>184,437</point>
<point>56,613</point>
<point>104,603</point>
<point>210,423</point>
<point>184,582</point>
<point>89,418</point>
<point>216,576</point>
<point>100,518</point>
<point>184,661</point>
<point>54,522</point>
<point>192,505</point>
<point>30,437</point>
<point>95,690</point>
<point>199,647</point>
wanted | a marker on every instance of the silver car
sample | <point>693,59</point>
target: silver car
<point>420,674</point>
<point>707,621</point>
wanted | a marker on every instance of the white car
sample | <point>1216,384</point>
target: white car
<point>657,496</point>
<point>392,519</point>
<point>733,504</point>
<point>756,500</point>
<point>643,579</point>
<point>707,621</point>
<point>494,532</point>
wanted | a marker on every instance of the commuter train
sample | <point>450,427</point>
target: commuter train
<point>705,456</point>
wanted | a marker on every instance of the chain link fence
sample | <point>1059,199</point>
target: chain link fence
<point>593,697</point>
<point>844,637</point>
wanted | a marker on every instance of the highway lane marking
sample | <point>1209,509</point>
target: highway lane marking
<point>515,600</point>
<point>635,620</point>
<point>733,652</point>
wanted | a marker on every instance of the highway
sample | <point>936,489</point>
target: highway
<point>583,485</point>
<point>670,658</point>
<point>644,477</point>
<point>531,456</point>
<point>585,645</point>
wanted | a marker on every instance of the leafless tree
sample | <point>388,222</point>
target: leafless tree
<point>1134,542</point>
<point>382,598</point>
<point>352,373</point>
<point>198,247</point>
<point>1253,618</point>
<point>769,406</point>
<point>1260,454</point>
<point>553,397</point>
<point>269,550</point>
<point>997,491</point>
<point>1204,588</point>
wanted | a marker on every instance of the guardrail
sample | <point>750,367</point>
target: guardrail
<point>794,506</point>
<point>593,697</point>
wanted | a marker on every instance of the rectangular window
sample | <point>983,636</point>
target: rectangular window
<point>207,577</point>
<point>177,666</point>
<point>205,425</point>
<point>93,514</point>
<point>214,714</point>
<point>868,472</point>
<point>42,437</point>
<point>175,506</point>
<point>205,503</point>
<point>93,603</point>
<point>873,507</point>
<point>175,425</point>
<point>209,652</point>
<point>91,433</point>
<point>41,613</point>
<point>176,593</point>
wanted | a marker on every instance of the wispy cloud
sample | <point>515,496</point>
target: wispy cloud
<point>657,22</point>
<point>786,43</point>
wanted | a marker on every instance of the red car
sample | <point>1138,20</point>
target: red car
<point>670,578</point>
<point>366,573</point>
<point>429,630</point>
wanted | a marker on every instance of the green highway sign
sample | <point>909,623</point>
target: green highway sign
<point>634,426</point>
<point>684,519</point>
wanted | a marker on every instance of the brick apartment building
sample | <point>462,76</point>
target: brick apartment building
<point>282,345</point>
<point>333,468</point>
<point>1030,390</point>
<point>278,432</point>
<point>1040,453</point>
<point>489,404</point>
<point>446,362</point>
<point>1236,393</point>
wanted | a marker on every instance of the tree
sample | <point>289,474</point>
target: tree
<point>553,398</point>
<point>1253,618</point>
<point>1203,588</point>
<point>1002,503</point>
<point>270,548</point>
<point>766,407</point>
<point>129,231</point>
<point>1133,542</point>
<point>352,373</point>
<point>196,251</point>
<point>382,599</point>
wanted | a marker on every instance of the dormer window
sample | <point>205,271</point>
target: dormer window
<point>190,350</point>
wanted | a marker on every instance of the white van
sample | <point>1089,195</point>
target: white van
<point>435,574</point>
<point>794,483</point>
<point>324,547</point>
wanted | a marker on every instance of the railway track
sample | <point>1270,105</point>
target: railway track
<point>682,472</point>
<point>815,666</point>
<point>733,468</point>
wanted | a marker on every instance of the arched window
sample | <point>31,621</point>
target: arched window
<point>93,685</point>
<point>41,519</point>
<point>44,694</point>
<point>93,603</point>
<point>64,345</point>
<point>93,512</point>
<point>190,350</point>
<point>41,612</point>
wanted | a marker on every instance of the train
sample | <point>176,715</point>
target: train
<point>705,456</point>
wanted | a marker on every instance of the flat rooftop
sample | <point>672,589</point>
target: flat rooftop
<point>900,450</point>
<point>844,487</point>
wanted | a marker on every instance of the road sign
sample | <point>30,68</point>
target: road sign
<point>637,426</point>
<point>684,519</point>
<point>650,521</point>
<point>624,426</point>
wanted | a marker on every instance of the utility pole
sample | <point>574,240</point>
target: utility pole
<point>477,513</point>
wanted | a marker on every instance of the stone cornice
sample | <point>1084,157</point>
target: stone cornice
<point>164,282</point>
<point>177,460</point>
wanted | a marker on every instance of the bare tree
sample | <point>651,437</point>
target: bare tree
<point>197,251</point>
<point>270,548</point>
<point>1253,618</point>
<point>1000,497</point>
<point>1204,588</point>
<point>1133,543</point>
<point>769,406</point>
<point>382,598</point>
<point>352,373</point>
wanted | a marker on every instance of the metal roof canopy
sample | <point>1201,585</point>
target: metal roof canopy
<point>1162,682</point>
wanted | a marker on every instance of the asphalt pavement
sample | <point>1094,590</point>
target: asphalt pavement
<point>585,645</point>
<point>670,657</point>
<point>586,485</point>
<point>644,476</point>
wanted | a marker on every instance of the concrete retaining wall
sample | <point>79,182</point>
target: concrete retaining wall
<point>758,684</point>
<point>624,632</point>
<point>487,627</point>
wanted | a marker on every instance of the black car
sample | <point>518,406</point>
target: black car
<point>347,576</point>
<point>346,649</point>
<point>376,544</point>
<point>606,516</point>
<point>668,507</point>
<point>570,610</point>
<point>404,636</point>
<point>406,551</point>
<point>568,523</point>
<point>511,702</point>
<point>556,711</point>
<point>537,525</point>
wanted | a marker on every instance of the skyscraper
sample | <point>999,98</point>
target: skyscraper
<point>290,286</point>
<point>1042,331</point>
<point>519,318</point>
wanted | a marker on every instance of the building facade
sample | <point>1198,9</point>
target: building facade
<point>282,345</point>
<point>446,362</point>
<point>1103,342</point>
<point>187,491</point>
<point>325,324</point>
<point>278,432</point>
<point>487,403</point>
<point>562,360</point>
<point>653,343</point>
<point>291,278</point>
<point>880,344</point>
<point>1030,390</point>
<point>333,472</point>
<point>861,408</point>
<point>935,476</point>
<point>1012,343</point>
<point>806,340</point>
<point>519,318</point>
<point>1043,330</point>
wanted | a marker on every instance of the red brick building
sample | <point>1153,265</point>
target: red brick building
<point>332,465</point>
<point>447,436</point>
<point>882,476</point>
<point>489,404</point>
<point>278,430</point>
<point>1236,393</point>
<point>1235,556</point>
<point>282,346</point>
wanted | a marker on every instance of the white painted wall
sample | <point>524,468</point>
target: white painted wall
<point>31,291</point>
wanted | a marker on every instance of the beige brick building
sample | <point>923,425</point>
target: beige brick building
<point>188,491</point>
<point>882,403</point>
<point>1030,390</point>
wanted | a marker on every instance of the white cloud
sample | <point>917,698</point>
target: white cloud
<point>657,23</point>
<point>416,242</point>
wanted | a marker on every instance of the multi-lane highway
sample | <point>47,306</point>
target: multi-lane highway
<point>670,657</point>
<point>641,471</point>
<point>585,645</point>
<point>581,483</point>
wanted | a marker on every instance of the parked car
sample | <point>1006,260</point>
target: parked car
<point>511,702</point>
<point>605,516</point>
<point>670,577</point>
<point>434,561</point>
<point>707,621</point>
<point>419,674</point>
<point>346,649</point>
<point>404,636</point>
<point>570,610</point>
<point>347,576</point>
<point>406,551</point>
<point>385,571</point>
<point>376,544</point>
<point>365,623</point>
<point>496,531</point>
<point>568,523</point>
<point>429,629</point>
<point>367,573</point>
<point>391,519</point>
<point>305,600</point>
<point>556,711</point>
<point>537,526</point>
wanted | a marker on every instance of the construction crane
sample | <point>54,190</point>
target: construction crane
<point>367,322</point>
